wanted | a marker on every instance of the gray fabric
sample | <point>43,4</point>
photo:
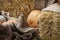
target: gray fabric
<point>19,24</point>
<point>54,7</point>
<point>23,33</point>
<point>9,34</point>
<point>40,4</point>
<point>50,2</point>
<point>2,18</point>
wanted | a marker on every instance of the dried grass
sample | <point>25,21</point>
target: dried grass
<point>49,23</point>
<point>16,7</point>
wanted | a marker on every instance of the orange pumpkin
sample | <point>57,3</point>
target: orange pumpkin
<point>32,19</point>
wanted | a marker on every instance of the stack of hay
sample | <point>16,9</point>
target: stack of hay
<point>49,22</point>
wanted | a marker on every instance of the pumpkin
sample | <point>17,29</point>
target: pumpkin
<point>32,19</point>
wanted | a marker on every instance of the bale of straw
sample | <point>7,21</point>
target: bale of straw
<point>49,26</point>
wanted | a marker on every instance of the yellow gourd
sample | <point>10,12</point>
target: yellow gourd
<point>32,18</point>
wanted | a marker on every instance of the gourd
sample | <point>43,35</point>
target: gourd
<point>32,18</point>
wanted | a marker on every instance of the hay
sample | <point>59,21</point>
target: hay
<point>16,7</point>
<point>49,23</point>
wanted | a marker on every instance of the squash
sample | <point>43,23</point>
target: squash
<point>32,19</point>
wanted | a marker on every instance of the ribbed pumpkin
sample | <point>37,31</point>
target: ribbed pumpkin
<point>32,18</point>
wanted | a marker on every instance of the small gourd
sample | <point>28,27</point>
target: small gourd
<point>32,19</point>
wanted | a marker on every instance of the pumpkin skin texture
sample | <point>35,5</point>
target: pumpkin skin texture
<point>32,19</point>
